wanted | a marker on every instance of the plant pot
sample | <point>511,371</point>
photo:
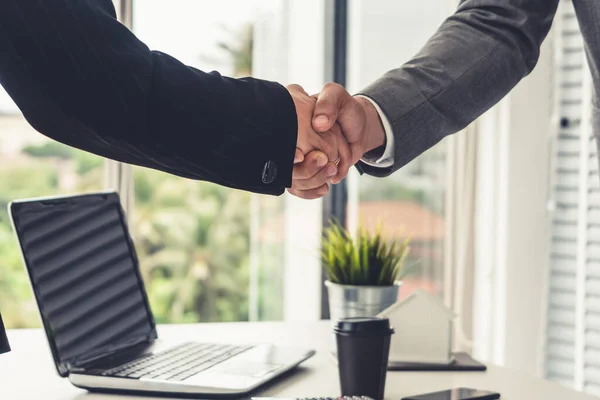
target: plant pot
<point>347,301</point>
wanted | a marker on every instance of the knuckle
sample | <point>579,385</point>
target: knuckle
<point>331,86</point>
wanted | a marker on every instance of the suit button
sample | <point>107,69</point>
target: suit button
<point>269,172</point>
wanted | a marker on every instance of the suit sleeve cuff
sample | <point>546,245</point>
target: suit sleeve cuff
<point>386,160</point>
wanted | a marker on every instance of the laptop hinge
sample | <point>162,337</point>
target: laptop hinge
<point>77,364</point>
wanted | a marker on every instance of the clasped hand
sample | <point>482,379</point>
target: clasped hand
<point>335,130</point>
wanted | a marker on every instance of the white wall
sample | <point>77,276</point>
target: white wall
<point>513,223</point>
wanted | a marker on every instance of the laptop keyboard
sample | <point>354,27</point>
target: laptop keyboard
<point>177,363</point>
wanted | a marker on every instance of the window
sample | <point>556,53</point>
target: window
<point>208,253</point>
<point>411,201</point>
<point>573,304</point>
<point>32,165</point>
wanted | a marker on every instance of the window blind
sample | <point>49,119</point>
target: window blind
<point>572,348</point>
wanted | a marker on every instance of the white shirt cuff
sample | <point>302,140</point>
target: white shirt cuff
<point>387,159</point>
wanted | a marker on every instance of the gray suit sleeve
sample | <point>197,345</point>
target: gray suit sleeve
<point>474,59</point>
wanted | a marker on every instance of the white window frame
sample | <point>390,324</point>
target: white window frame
<point>303,219</point>
<point>119,176</point>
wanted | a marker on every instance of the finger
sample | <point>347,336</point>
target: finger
<point>345,155</point>
<point>312,164</point>
<point>299,156</point>
<point>294,87</point>
<point>327,143</point>
<point>329,102</point>
<point>310,194</point>
<point>318,180</point>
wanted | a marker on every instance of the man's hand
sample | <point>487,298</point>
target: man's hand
<point>312,174</point>
<point>360,125</point>
<point>356,116</point>
<point>330,142</point>
<point>310,177</point>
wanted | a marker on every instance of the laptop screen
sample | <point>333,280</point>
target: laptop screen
<point>84,274</point>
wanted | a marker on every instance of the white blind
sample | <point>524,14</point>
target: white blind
<point>572,354</point>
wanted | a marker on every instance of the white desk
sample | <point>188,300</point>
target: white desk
<point>28,372</point>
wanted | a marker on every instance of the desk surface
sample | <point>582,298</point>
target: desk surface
<point>28,372</point>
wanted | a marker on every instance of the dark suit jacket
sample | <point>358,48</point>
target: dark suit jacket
<point>83,79</point>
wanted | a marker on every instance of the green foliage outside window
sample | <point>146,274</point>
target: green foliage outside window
<point>192,238</point>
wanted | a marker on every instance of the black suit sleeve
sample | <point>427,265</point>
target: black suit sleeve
<point>82,78</point>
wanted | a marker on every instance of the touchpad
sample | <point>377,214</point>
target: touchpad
<point>255,370</point>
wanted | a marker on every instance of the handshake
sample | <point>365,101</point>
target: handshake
<point>335,130</point>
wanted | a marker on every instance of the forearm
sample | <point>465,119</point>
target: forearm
<point>476,57</point>
<point>82,78</point>
<point>223,130</point>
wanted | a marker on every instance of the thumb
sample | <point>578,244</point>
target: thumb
<point>329,102</point>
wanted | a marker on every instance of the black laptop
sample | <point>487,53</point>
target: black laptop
<point>85,276</point>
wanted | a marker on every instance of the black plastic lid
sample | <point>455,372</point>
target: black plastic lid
<point>364,326</point>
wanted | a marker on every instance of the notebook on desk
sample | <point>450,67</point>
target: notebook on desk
<point>461,362</point>
<point>85,276</point>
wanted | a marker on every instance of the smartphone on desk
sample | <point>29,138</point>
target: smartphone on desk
<point>456,394</point>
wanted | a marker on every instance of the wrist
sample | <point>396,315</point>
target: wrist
<point>374,131</point>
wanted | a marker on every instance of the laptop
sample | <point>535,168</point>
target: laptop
<point>85,276</point>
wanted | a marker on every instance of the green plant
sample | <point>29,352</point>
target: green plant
<point>366,260</point>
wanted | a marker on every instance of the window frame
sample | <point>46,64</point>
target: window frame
<point>118,176</point>
<point>335,204</point>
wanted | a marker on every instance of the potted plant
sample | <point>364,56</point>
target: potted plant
<point>363,272</point>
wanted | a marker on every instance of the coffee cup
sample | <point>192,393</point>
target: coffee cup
<point>363,346</point>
